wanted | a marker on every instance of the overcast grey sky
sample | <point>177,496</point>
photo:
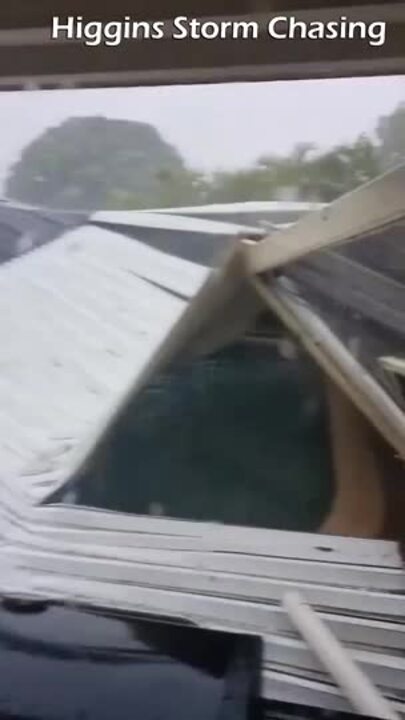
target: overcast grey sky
<point>214,126</point>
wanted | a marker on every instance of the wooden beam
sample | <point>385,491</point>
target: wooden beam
<point>363,290</point>
<point>358,508</point>
<point>53,79</point>
<point>337,362</point>
<point>362,212</point>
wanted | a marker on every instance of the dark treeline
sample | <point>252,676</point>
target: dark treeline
<point>92,163</point>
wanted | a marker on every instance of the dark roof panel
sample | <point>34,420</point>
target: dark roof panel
<point>359,291</point>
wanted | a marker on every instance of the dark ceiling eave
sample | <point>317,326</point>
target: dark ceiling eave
<point>27,14</point>
<point>30,60</point>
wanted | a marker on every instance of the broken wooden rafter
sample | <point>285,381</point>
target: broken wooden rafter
<point>354,286</point>
<point>336,361</point>
<point>359,213</point>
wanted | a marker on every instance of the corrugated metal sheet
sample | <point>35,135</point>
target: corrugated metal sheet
<point>79,319</point>
<point>200,241</point>
<point>23,228</point>
<point>252,206</point>
<point>171,222</point>
<point>359,291</point>
<point>258,213</point>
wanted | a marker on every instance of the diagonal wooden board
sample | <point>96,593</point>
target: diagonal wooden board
<point>330,353</point>
<point>366,291</point>
<point>364,211</point>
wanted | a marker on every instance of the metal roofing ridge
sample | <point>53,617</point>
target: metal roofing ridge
<point>73,234</point>
<point>248,205</point>
<point>171,222</point>
<point>42,211</point>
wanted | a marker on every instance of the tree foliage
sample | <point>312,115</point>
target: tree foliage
<point>91,163</point>
<point>81,162</point>
<point>391,135</point>
<point>310,174</point>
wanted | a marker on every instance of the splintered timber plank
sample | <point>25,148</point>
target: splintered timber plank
<point>250,588</point>
<point>361,212</point>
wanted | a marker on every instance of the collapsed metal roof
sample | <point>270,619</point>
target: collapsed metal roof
<point>94,279</point>
<point>359,291</point>
<point>81,319</point>
<point>261,214</point>
<point>86,320</point>
<point>23,228</point>
<point>203,241</point>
